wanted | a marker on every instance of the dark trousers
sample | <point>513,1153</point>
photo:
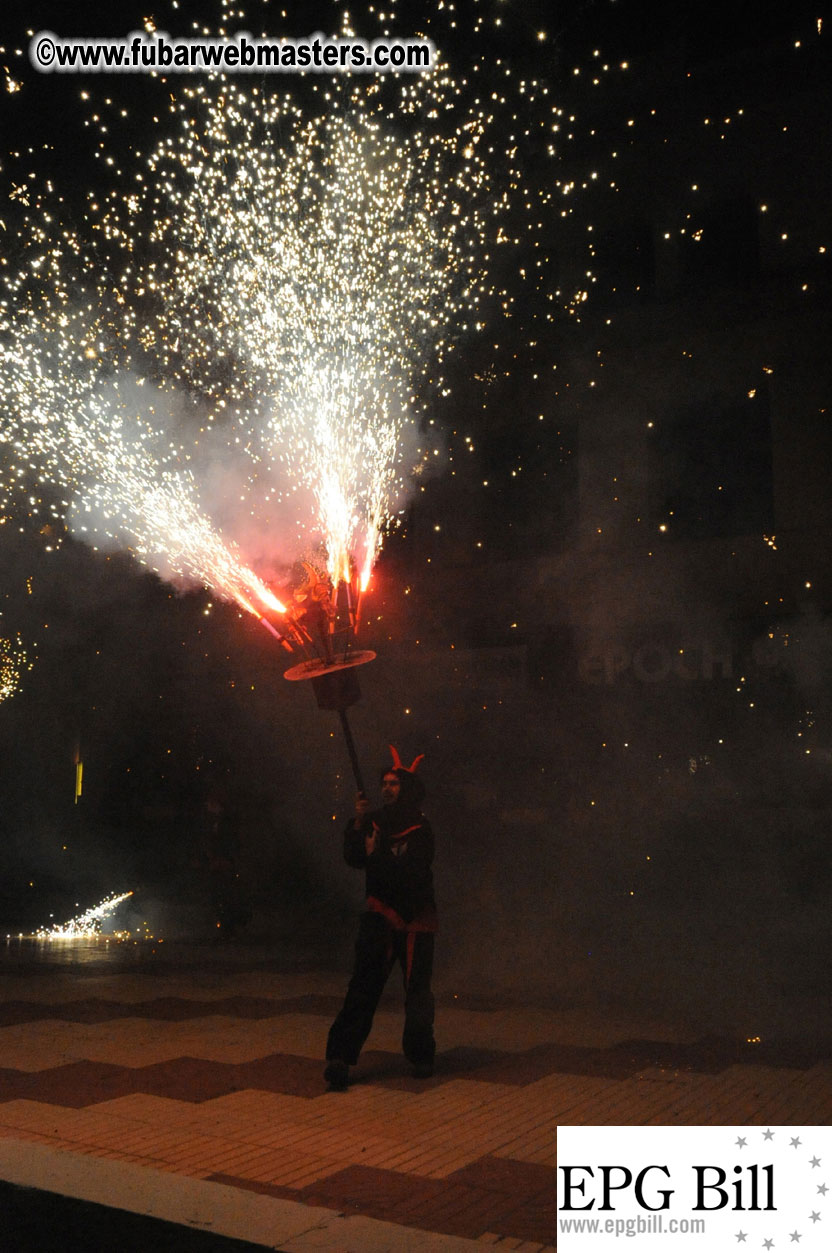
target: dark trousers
<point>378,947</point>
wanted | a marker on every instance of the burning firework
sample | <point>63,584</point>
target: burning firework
<point>76,427</point>
<point>13,662</point>
<point>301,271</point>
<point>310,284</point>
<point>86,925</point>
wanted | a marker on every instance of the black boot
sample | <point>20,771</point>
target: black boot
<point>337,1075</point>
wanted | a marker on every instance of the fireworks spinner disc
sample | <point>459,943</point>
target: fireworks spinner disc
<point>335,685</point>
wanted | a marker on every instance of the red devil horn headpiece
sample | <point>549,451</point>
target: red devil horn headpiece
<point>398,765</point>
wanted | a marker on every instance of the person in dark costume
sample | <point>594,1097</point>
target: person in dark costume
<point>394,845</point>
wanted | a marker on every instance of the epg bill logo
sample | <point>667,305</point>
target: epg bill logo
<point>714,1188</point>
<point>709,1196</point>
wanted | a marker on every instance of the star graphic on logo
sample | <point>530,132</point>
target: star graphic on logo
<point>823,1189</point>
<point>815,1216</point>
<point>740,1142</point>
<point>815,1161</point>
<point>795,1142</point>
<point>741,1236</point>
<point>768,1135</point>
<point>768,1244</point>
<point>794,1236</point>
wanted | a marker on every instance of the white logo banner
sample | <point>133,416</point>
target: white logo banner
<point>683,1189</point>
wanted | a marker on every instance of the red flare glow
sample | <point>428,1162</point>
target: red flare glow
<point>263,594</point>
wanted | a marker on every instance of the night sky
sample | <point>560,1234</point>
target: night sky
<point>605,614</point>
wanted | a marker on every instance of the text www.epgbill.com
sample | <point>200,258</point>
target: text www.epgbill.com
<point>655,1225</point>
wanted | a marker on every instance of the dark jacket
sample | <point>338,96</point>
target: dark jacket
<point>399,874</point>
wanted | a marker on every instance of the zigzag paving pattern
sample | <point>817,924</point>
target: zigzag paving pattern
<point>219,1079</point>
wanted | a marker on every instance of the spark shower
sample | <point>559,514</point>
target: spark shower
<point>264,302</point>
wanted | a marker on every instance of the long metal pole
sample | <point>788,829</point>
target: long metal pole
<point>356,769</point>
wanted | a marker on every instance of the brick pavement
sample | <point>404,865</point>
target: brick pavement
<point>216,1079</point>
